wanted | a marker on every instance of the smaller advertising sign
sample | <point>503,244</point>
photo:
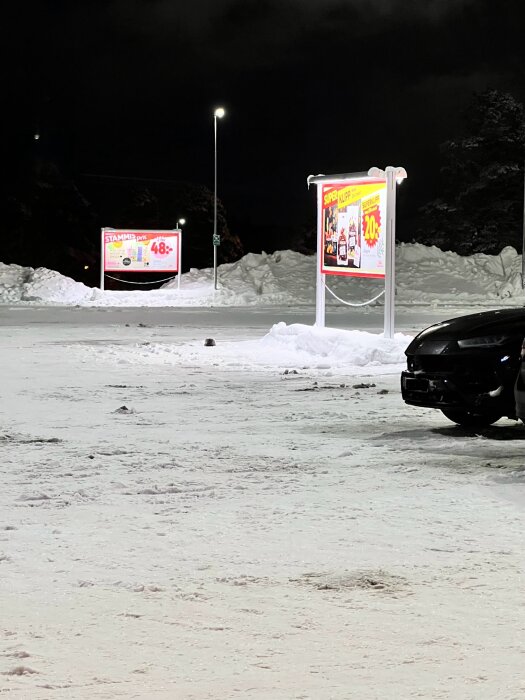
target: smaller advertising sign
<point>127,250</point>
<point>353,228</point>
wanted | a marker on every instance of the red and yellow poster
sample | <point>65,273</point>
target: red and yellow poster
<point>140,251</point>
<point>353,228</point>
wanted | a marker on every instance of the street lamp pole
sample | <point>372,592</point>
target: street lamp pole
<point>180,222</point>
<point>219,113</point>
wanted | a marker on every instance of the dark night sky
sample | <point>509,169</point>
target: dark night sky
<point>128,87</point>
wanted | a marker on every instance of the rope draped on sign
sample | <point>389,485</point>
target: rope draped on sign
<point>167,279</point>
<point>349,303</point>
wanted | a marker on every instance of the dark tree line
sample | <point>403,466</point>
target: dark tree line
<point>55,222</point>
<point>480,207</point>
<point>52,220</point>
<point>479,202</point>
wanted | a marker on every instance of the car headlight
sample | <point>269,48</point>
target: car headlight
<point>484,341</point>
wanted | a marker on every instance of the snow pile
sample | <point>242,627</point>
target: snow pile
<point>424,275</point>
<point>283,278</point>
<point>24,284</point>
<point>448,276</point>
<point>49,286</point>
<point>280,278</point>
<point>338,347</point>
<point>295,346</point>
<point>12,279</point>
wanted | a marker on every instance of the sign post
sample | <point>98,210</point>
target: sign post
<point>320,292</point>
<point>356,232</point>
<point>390,253</point>
<point>134,250</point>
<point>179,255</point>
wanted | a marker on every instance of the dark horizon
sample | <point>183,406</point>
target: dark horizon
<point>127,90</point>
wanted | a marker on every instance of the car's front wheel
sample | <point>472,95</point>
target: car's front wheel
<point>469,419</point>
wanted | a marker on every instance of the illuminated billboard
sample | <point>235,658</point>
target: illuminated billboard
<point>353,228</point>
<point>129,250</point>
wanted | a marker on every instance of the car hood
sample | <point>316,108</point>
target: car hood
<point>509,322</point>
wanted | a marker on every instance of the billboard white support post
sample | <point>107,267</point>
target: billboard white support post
<point>179,256</point>
<point>390,252</point>
<point>320,292</point>
<point>102,259</point>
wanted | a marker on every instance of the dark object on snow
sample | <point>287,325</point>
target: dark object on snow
<point>124,409</point>
<point>209,342</point>
<point>467,367</point>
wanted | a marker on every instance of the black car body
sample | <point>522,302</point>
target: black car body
<point>467,367</point>
<point>519,389</point>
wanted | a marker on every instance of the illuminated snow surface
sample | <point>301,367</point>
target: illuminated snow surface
<point>424,275</point>
<point>262,518</point>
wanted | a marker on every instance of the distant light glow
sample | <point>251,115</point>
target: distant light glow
<point>86,267</point>
<point>36,136</point>
<point>401,174</point>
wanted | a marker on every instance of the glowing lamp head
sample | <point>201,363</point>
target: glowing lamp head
<point>182,222</point>
<point>401,175</point>
<point>219,112</point>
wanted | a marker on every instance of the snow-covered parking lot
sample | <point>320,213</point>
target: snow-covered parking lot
<point>250,520</point>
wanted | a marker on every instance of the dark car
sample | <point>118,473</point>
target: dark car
<point>519,389</point>
<point>467,367</point>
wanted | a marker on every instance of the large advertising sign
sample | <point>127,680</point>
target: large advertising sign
<point>353,228</point>
<point>127,250</point>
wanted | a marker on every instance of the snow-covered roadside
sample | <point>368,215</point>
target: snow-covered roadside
<point>425,276</point>
<point>195,528</point>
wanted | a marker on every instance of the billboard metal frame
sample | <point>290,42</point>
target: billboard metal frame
<point>177,232</point>
<point>391,176</point>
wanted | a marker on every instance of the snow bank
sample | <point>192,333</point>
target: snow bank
<point>24,284</point>
<point>449,277</point>
<point>424,275</point>
<point>294,346</point>
<point>337,347</point>
<point>49,286</point>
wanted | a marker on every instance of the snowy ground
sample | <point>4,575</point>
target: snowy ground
<point>263,518</point>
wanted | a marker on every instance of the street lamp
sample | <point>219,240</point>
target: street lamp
<point>180,222</point>
<point>218,114</point>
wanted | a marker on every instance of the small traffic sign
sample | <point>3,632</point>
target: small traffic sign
<point>216,239</point>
